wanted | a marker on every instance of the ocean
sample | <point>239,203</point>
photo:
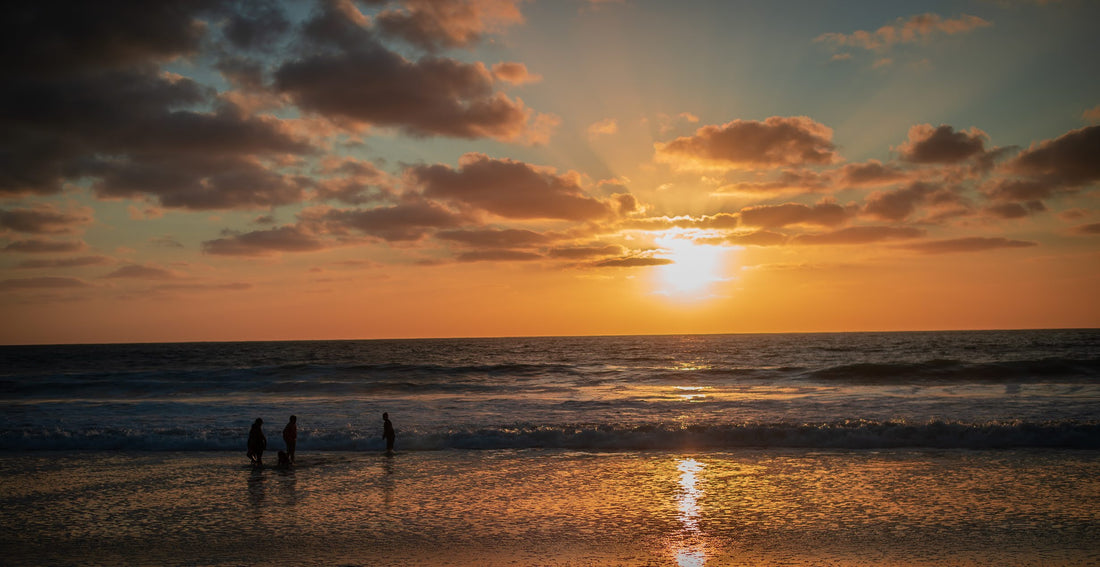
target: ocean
<point>922,448</point>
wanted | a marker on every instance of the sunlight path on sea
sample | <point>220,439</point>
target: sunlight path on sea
<point>690,553</point>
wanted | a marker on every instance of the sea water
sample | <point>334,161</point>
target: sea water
<point>965,448</point>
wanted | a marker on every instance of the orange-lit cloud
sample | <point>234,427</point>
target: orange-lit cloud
<point>777,216</point>
<point>514,73</point>
<point>748,144</point>
<point>860,235</point>
<point>437,24</point>
<point>604,127</point>
<point>970,244</point>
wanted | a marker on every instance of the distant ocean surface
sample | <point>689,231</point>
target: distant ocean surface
<point>971,390</point>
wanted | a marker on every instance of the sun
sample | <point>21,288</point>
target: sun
<point>694,270</point>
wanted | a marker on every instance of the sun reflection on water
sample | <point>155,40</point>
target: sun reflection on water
<point>690,552</point>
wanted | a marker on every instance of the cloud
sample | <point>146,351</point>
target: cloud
<point>39,246</point>
<point>165,241</point>
<point>64,262</point>
<point>494,238</point>
<point>788,181</point>
<point>868,174</point>
<point>437,24</point>
<point>1088,229</point>
<point>402,222</point>
<point>971,244</point>
<point>498,256</point>
<point>1092,114</point>
<point>705,222</point>
<point>942,145</point>
<point>259,25</point>
<point>604,127</point>
<point>777,216</point>
<point>1015,210</point>
<point>748,144</point>
<point>514,73</point>
<point>1071,160</point>
<point>263,242</point>
<point>45,282</point>
<point>351,76</point>
<point>47,38</point>
<point>631,262</point>
<point>45,218</point>
<point>510,189</point>
<point>139,272</point>
<point>582,252</point>
<point>901,203</point>
<point>916,28</point>
<point>860,235</point>
<point>756,238</point>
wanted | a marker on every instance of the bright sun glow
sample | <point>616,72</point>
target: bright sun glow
<point>694,268</point>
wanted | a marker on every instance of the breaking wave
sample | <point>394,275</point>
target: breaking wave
<point>849,434</point>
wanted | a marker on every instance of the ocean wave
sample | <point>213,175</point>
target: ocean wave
<point>955,370</point>
<point>848,434</point>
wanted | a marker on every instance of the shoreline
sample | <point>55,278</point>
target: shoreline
<point>556,507</point>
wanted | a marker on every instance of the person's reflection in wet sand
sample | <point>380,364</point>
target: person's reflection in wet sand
<point>387,481</point>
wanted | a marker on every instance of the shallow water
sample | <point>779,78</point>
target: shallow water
<point>556,507</point>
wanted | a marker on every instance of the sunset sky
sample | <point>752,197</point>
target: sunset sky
<point>189,170</point>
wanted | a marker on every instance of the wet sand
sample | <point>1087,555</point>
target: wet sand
<point>555,507</point>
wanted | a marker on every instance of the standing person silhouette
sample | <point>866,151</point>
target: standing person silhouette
<point>257,443</point>
<point>290,437</point>
<point>388,433</point>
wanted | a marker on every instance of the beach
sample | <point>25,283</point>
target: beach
<point>556,507</point>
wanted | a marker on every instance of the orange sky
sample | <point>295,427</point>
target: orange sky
<point>500,168</point>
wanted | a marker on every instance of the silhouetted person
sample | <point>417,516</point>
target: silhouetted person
<point>387,433</point>
<point>290,437</point>
<point>256,442</point>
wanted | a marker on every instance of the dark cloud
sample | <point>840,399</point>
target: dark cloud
<point>901,203</point>
<point>45,219</point>
<point>401,222</point>
<point>258,25</point>
<point>1071,160</point>
<point>510,189</point>
<point>351,76</point>
<point>64,262</point>
<point>972,244</point>
<point>777,216</point>
<point>870,173</point>
<point>45,282</point>
<point>49,37</point>
<point>942,145</point>
<point>860,235</point>
<point>38,246</point>
<point>494,238</point>
<point>264,242</point>
<point>777,141</point>
<point>139,272</point>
